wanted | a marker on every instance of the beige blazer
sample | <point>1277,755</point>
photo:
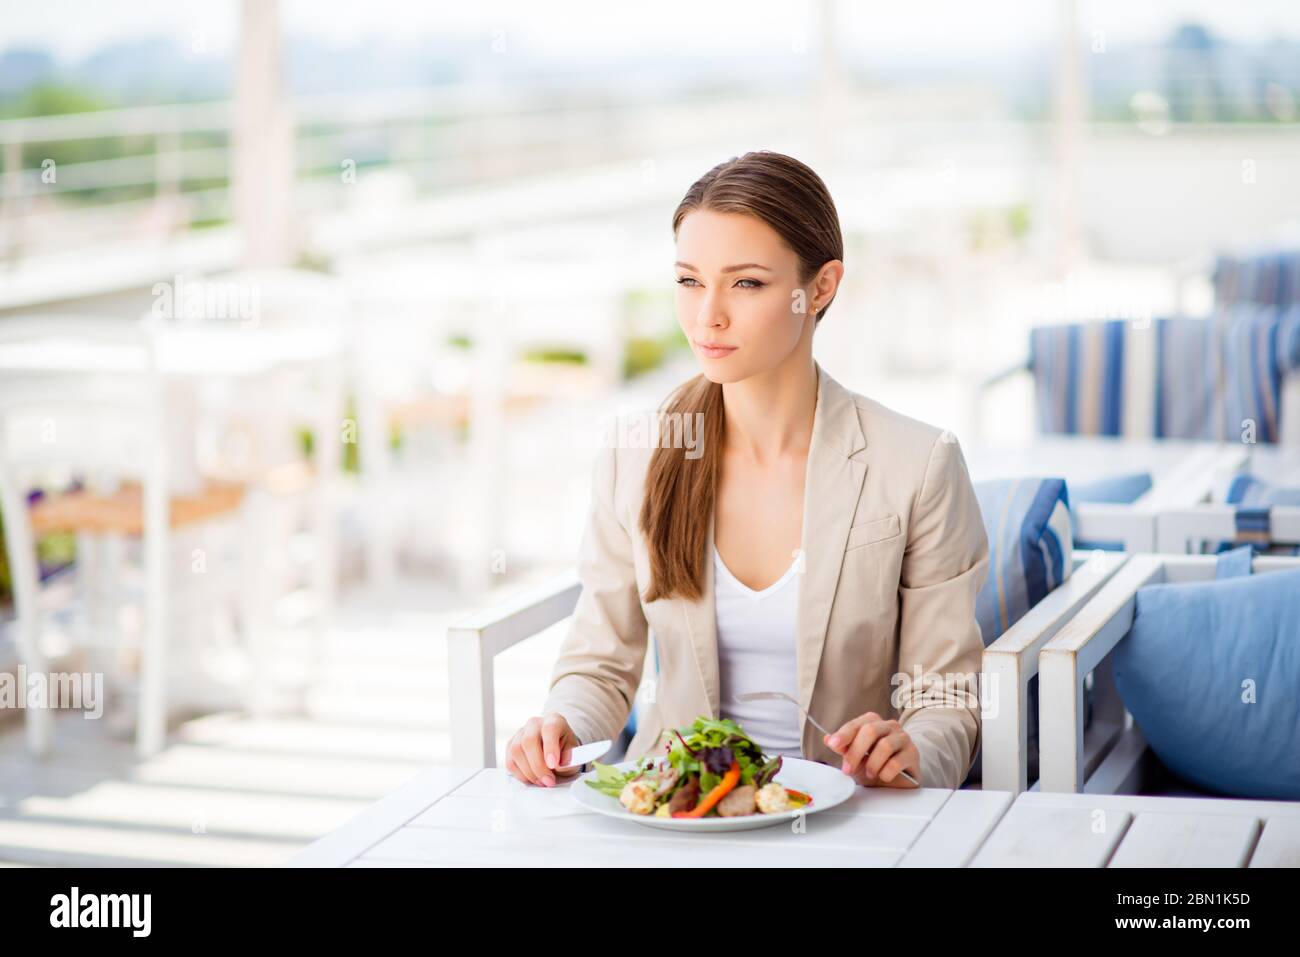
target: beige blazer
<point>894,554</point>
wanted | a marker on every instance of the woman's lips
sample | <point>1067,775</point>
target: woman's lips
<point>716,352</point>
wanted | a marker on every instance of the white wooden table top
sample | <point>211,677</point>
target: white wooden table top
<point>1126,830</point>
<point>484,817</point>
<point>449,816</point>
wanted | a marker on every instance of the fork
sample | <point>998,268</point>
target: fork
<point>782,696</point>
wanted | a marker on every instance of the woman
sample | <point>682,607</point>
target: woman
<point>815,542</point>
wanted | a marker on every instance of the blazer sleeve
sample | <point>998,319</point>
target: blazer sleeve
<point>944,566</point>
<point>599,668</point>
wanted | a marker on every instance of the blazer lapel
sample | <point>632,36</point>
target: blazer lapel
<point>831,488</point>
<point>832,483</point>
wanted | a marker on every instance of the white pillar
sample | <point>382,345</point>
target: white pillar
<point>262,172</point>
<point>830,100</point>
<point>1069,129</point>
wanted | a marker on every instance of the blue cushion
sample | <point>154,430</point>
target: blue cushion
<point>1234,563</point>
<point>1030,533</point>
<point>630,728</point>
<point>1251,491</point>
<point>1030,540</point>
<point>1181,672</point>
<point>1112,490</point>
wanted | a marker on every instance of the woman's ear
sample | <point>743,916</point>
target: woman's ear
<point>824,286</point>
<point>828,280</point>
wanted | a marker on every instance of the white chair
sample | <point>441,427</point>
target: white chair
<point>83,396</point>
<point>472,647</point>
<point>474,643</point>
<point>293,324</point>
<point>405,372</point>
<point>1186,527</point>
<point>298,319</point>
<point>1138,374</point>
<point>1185,530</point>
<point>1183,475</point>
<point>1137,525</point>
<point>1012,660</point>
<point>1114,757</point>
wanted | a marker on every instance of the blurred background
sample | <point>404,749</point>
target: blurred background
<point>310,314</point>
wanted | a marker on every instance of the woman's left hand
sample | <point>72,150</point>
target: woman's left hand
<point>876,751</point>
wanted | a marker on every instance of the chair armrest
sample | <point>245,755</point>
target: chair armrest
<point>1011,660</point>
<point>1077,649</point>
<point>979,389</point>
<point>1131,524</point>
<point>1002,375</point>
<point>474,643</point>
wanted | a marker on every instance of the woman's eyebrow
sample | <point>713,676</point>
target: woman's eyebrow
<point>735,268</point>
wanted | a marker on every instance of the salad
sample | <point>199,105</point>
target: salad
<point>714,769</point>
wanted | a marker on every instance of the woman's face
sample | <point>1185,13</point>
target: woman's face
<point>759,310</point>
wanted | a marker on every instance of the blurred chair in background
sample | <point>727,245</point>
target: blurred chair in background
<point>277,421</point>
<point>1233,375</point>
<point>84,397</point>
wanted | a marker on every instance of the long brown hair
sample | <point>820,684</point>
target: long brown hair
<point>680,491</point>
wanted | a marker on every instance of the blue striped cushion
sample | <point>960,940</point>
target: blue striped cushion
<point>1211,375</point>
<point>1030,540</point>
<point>1079,377</point>
<point>1271,278</point>
<point>1189,379</point>
<point>1078,373</point>
<point>1030,534</point>
<point>1261,346</point>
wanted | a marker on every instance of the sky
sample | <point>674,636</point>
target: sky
<point>75,28</point>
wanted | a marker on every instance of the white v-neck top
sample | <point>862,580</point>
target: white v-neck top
<point>756,652</point>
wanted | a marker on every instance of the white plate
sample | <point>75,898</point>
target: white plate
<point>826,785</point>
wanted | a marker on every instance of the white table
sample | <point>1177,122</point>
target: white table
<point>454,816</point>
<point>1125,830</point>
<point>186,352</point>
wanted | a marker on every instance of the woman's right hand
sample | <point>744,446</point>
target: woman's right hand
<point>541,745</point>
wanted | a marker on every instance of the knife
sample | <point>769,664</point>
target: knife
<point>585,753</point>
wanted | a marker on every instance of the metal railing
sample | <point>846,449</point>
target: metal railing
<point>156,171</point>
